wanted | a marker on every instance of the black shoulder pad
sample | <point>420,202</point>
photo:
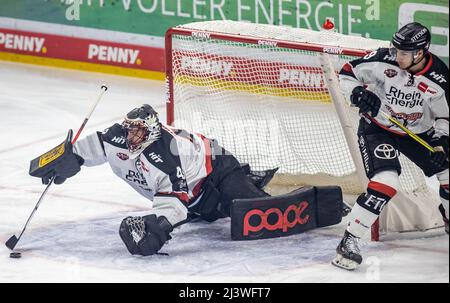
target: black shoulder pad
<point>163,155</point>
<point>159,153</point>
<point>380,55</point>
<point>114,136</point>
<point>438,73</point>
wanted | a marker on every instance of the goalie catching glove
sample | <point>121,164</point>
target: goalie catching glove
<point>366,100</point>
<point>145,235</point>
<point>60,162</point>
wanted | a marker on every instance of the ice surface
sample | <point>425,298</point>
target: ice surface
<point>74,235</point>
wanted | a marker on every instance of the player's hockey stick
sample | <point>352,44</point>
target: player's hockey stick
<point>12,242</point>
<point>410,133</point>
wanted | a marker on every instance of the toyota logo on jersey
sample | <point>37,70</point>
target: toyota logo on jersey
<point>385,152</point>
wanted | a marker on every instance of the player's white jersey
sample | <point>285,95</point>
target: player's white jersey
<point>419,101</point>
<point>174,166</point>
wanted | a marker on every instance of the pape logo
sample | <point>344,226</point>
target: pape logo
<point>283,223</point>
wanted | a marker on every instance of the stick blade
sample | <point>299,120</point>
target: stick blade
<point>11,243</point>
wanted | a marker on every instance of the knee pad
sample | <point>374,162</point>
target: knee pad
<point>388,177</point>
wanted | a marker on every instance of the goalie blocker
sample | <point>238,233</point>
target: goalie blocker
<point>60,162</point>
<point>293,213</point>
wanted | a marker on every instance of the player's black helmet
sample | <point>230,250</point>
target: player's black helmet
<point>142,128</point>
<point>412,37</point>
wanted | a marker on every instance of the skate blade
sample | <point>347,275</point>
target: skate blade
<point>344,263</point>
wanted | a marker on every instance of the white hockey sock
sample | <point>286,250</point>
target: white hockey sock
<point>361,221</point>
<point>369,206</point>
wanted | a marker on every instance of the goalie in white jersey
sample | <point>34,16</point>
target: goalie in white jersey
<point>193,177</point>
<point>410,84</point>
<point>192,174</point>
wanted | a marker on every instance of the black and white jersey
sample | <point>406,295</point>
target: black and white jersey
<point>172,167</point>
<point>419,101</point>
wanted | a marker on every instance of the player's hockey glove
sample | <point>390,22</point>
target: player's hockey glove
<point>145,235</point>
<point>367,101</point>
<point>60,162</point>
<point>440,157</point>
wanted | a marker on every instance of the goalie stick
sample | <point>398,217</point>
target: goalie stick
<point>12,242</point>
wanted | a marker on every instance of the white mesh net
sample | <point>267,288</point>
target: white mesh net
<point>269,105</point>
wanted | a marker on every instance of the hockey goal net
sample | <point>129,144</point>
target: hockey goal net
<point>264,93</point>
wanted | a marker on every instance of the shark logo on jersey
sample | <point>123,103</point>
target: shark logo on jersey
<point>391,73</point>
<point>403,116</point>
<point>122,156</point>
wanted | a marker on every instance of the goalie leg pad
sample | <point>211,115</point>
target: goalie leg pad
<point>301,210</point>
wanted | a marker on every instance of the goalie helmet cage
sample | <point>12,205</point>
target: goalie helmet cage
<point>270,95</point>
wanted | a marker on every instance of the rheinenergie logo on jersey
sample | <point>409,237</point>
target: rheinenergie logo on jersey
<point>398,97</point>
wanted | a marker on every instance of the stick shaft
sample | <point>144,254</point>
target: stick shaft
<point>104,88</point>
<point>91,110</point>
<point>36,207</point>
<point>410,133</point>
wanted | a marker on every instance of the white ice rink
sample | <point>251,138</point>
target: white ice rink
<point>74,234</point>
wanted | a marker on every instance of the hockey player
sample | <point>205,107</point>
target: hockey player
<point>189,172</point>
<point>410,84</point>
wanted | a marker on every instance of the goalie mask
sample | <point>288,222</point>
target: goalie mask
<point>142,128</point>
